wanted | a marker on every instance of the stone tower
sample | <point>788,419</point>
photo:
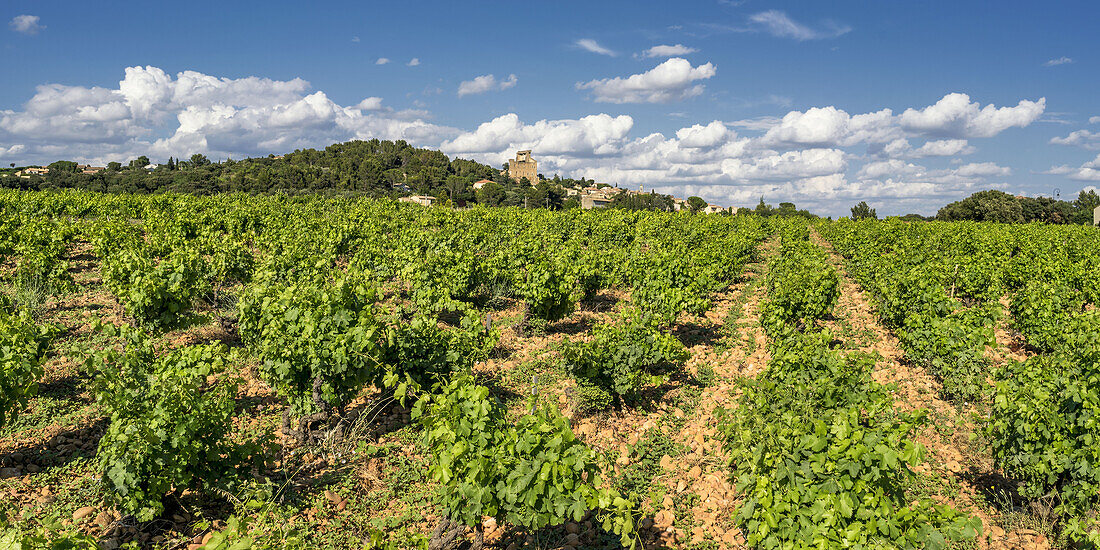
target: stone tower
<point>523,166</point>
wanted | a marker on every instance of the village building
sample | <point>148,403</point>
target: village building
<point>422,200</point>
<point>26,173</point>
<point>481,183</point>
<point>596,197</point>
<point>594,201</point>
<point>523,166</point>
<point>1096,216</point>
<point>713,209</point>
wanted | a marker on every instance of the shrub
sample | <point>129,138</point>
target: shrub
<point>952,347</point>
<point>43,243</point>
<point>1044,421</point>
<point>167,423</point>
<point>47,534</point>
<point>422,353</point>
<point>802,285</point>
<point>837,479</point>
<point>318,343</point>
<point>671,284</point>
<point>621,358</point>
<point>591,398</point>
<point>23,347</point>
<point>156,292</point>
<point>443,281</point>
<point>977,278</point>
<point>1041,310</point>
<point>230,261</point>
<point>548,288</point>
<point>823,460</point>
<point>530,472</point>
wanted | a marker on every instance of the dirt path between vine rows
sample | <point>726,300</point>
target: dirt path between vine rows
<point>959,473</point>
<point>704,470</point>
<point>1010,344</point>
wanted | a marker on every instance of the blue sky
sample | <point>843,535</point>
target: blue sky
<point>905,105</point>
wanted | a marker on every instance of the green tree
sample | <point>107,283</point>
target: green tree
<point>863,211</point>
<point>992,206</point>
<point>456,188</point>
<point>114,166</point>
<point>198,160</point>
<point>547,195</point>
<point>515,195</point>
<point>1046,210</point>
<point>696,203</point>
<point>1086,202</point>
<point>645,201</point>
<point>67,166</point>
<point>394,177</point>
<point>491,194</point>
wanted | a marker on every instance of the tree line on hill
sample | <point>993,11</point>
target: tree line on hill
<point>375,168</point>
<point>382,168</point>
<point>998,206</point>
<point>1001,207</point>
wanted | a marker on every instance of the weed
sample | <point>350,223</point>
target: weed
<point>645,464</point>
<point>705,375</point>
<point>589,398</point>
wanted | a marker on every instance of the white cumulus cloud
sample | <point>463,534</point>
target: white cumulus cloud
<point>672,80</point>
<point>699,136</point>
<point>903,182</point>
<point>160,115</point>
<point>382,61</point>
<point>370,104</point>
<point>943,148</point>
<point>786,165</point>
<point>588,136</point>
<point>26,24</point>
<point>413,62</point>
<point>485,83</point>
<point>1059,61</point>
<point>956,116</point>
<point>953,116</point>
<point>982,169</point>
<point>829,126</point>
<point>1089,171</point>
<point>1080,138</point>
